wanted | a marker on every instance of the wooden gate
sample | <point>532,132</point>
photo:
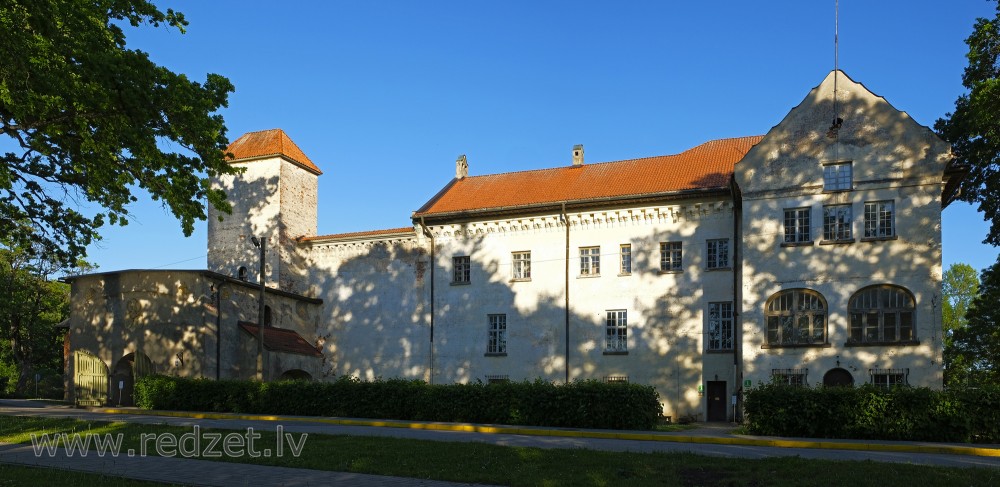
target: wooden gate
<point>90,380</point>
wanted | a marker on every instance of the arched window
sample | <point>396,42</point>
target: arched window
<point>882,314</point>
<point>796,317</point>
<point>241,273</point>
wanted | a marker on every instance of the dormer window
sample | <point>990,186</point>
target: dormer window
<point>838,177</point>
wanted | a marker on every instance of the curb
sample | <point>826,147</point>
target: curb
<point>515,430</point>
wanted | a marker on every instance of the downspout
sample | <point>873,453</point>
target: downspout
<point>566,358</point>
<point>428,234</point>
<point>737,299</point>
<point>218,331</point>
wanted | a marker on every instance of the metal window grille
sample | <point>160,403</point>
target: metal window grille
<point>616,379</point>
<point>889,377</point>
<point>792,377</point>
<point>497,379</point>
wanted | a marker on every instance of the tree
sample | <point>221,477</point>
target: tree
<point>960,286</point>
<point>978,343</point>
<point>973,129</point>
<point>31,306</point>
<point>87,119</point>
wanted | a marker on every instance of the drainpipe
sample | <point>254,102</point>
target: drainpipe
<point>737,298</point>
<point>218,330</point>
<point>566,358</point>
<point>428,234</point>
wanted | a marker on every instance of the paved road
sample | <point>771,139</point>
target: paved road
<point>708,439</point>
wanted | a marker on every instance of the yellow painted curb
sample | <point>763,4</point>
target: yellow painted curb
<point>570,433</point>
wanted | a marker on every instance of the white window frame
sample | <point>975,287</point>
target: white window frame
<point>720,326</point>
<point>798,225</point>
<point>887,378</point>
<point>590,261</point>
<point>497,337</point>
<point>671,256</point>
<point>838,223</point>
<point>790,377</point>
<point>625,259</point>
<point>461,269</point>
<point>838,176</point>
<point>880,219</point>
<point>717,255</point>
<point>616,331</point>
<point>521,265</point>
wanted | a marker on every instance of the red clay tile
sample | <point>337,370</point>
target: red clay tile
<point>272,142</point>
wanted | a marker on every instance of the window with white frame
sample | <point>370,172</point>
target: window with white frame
<point>590,261</point>
<point>670,256</point>
<point>626,258</point>
<point>837,220</point>
<point>797,225</point>
<point>887,378</point>
<point>880,219</point>
<point>720,326</point>
<point>497,342</point>
<point>881,314</point>
<point>522,265</point>
<point>790,377</point>
<point>718,254</point>
<point>795,317</point>
<point>616,331</point>
<point>461,269</point>
<point>837,177</point>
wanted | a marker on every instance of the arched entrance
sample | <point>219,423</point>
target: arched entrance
<point>295,374</point>
<point>838,378</point>
<point>129,368</point>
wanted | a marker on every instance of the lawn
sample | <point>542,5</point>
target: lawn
<point>492,464</point>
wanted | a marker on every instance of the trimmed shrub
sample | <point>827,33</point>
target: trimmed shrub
<point>868,412</point>
<point>581,404</point>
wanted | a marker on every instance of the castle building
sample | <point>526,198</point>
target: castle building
<point>810,255</point>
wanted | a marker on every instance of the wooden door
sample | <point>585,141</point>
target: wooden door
<point>717,400</point>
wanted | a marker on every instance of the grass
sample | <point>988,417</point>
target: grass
<point>492,464</point>
<point>16,475</point>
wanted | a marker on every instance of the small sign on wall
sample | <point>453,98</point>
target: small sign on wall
<point>747,383</point>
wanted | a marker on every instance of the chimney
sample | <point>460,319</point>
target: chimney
<point>578,155</point>
<point>461,167</point>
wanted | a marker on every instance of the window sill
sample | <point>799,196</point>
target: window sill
<point>798,244</point>
<point>588,276</point>
<point>903,343</point>
<point>521,280</point>
<point>877,239</point>
<point>728,350</point>
<point>837,242</point>
<point>845,190</point>
<point>616,352</point>
<point>624,274</point>
<point>672,271</point>
<point>495,354</point>
<point>797,345</point>
<point>460,283</point>
<point>713,269</point>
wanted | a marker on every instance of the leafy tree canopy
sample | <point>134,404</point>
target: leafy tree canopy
<point>977,344</point>
<point>84,119</point>
<point>974,127</point>
<point>959,287</point>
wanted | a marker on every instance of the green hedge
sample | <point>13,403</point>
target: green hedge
<point>581,404</point>
<point>868,412</point>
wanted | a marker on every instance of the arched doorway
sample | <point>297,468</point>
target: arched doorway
<point>129,368</point>
<point>838,378</point>
<point>295,374</point>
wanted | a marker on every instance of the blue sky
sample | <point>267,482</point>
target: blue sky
<point>383,95</point>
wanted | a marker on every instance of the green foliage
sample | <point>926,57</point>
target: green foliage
<point>960,286</point>
<point>581,404</point>
<point>868,412</point>
<point>94,119</point>
<point>973,128</point>
<point>977,344</point>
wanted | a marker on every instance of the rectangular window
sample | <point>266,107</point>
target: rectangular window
<point>720,326</point>
<point>791,377</point>
<point>797,226</point>
<point>626,259</point>
<point>590,261</point>
<point>616,379</point>
<point>880,219</point>
<point>462,267</point>
<point>837,220</point>
<point>837,177</point>
<point>497,343</point>
<point>522,265</point>
<point>718,254</point>
<point>889,377</point>
<point>670,256</point>
<point>616,329</point>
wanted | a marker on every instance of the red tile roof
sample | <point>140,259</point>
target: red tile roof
<point>266,143</point>
<point>282,340</point>
<point>363,234</point>
<point>705,167</point>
